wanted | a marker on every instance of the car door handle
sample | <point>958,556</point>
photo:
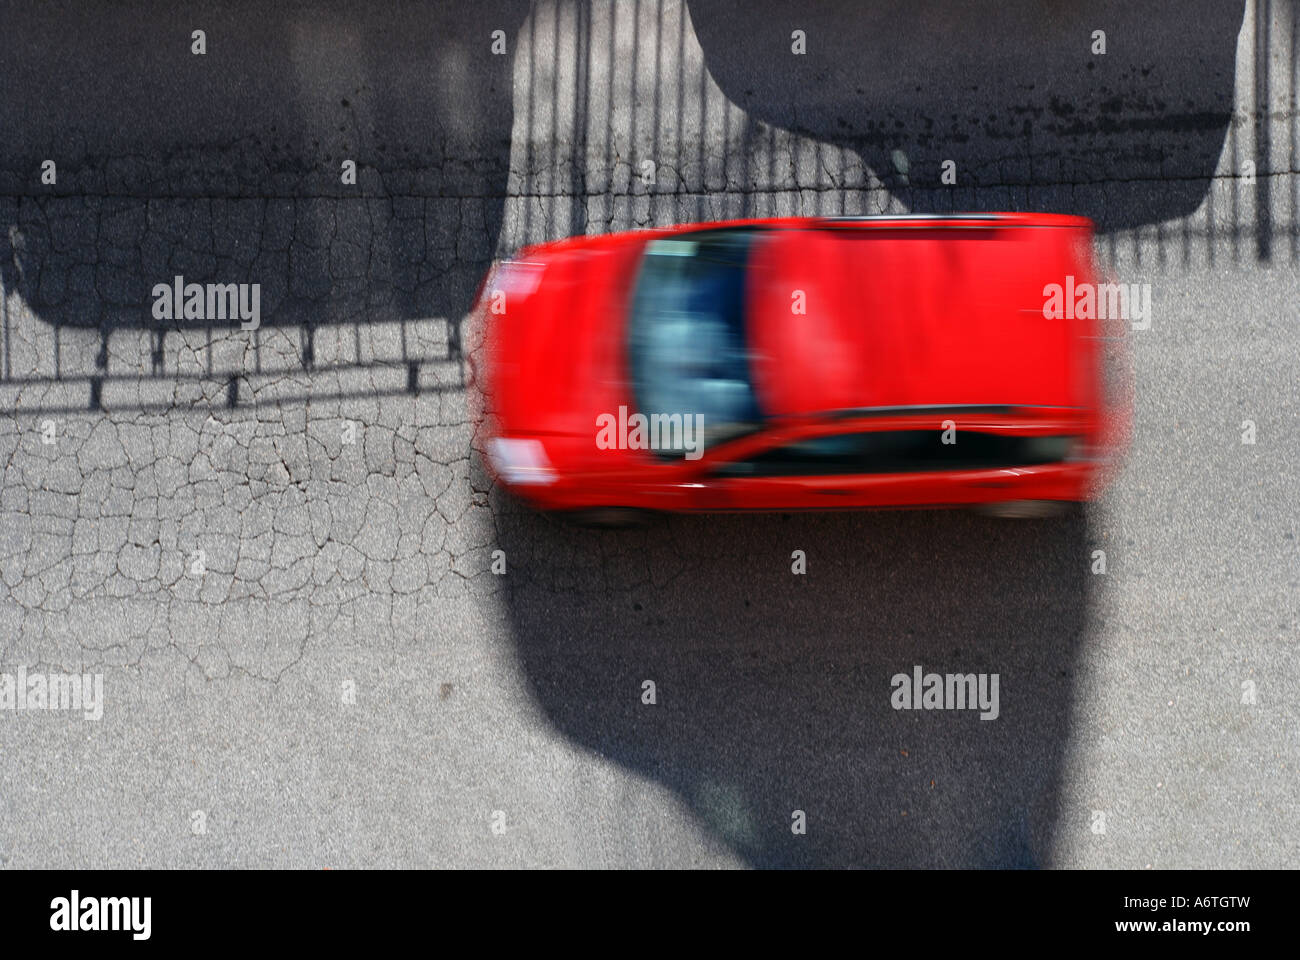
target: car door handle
<point>834,493</point>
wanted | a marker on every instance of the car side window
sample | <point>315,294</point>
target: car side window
<point>897,451</point>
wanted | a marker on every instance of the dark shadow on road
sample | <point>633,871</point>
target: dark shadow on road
<point>1008,89</point>
<point>227,167</point>
<point>774,689</point>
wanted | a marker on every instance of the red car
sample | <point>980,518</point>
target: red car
<point>788,364</point>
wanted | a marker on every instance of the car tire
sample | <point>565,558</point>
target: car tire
<point>609,518</point>
<point>1025,509</point>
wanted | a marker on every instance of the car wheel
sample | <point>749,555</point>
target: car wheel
<point>1025,509</point>
<point>609,518</point>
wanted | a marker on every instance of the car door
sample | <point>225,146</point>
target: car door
<point>890,465</point>
<point>810,471</point>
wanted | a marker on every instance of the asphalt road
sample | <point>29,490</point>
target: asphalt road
<point>344,682</point>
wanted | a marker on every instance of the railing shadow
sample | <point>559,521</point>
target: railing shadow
<point>227,168</point>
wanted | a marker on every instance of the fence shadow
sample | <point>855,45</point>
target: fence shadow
<point>227,167</point>
<point>1008,90</point>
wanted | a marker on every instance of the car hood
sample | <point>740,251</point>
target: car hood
<point>556,350</point>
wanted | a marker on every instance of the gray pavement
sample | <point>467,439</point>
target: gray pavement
<point>275,546</point>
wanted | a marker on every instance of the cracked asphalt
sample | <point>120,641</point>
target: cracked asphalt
<point>276,546</point>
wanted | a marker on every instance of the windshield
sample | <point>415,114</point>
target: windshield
<point>687,348</point>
